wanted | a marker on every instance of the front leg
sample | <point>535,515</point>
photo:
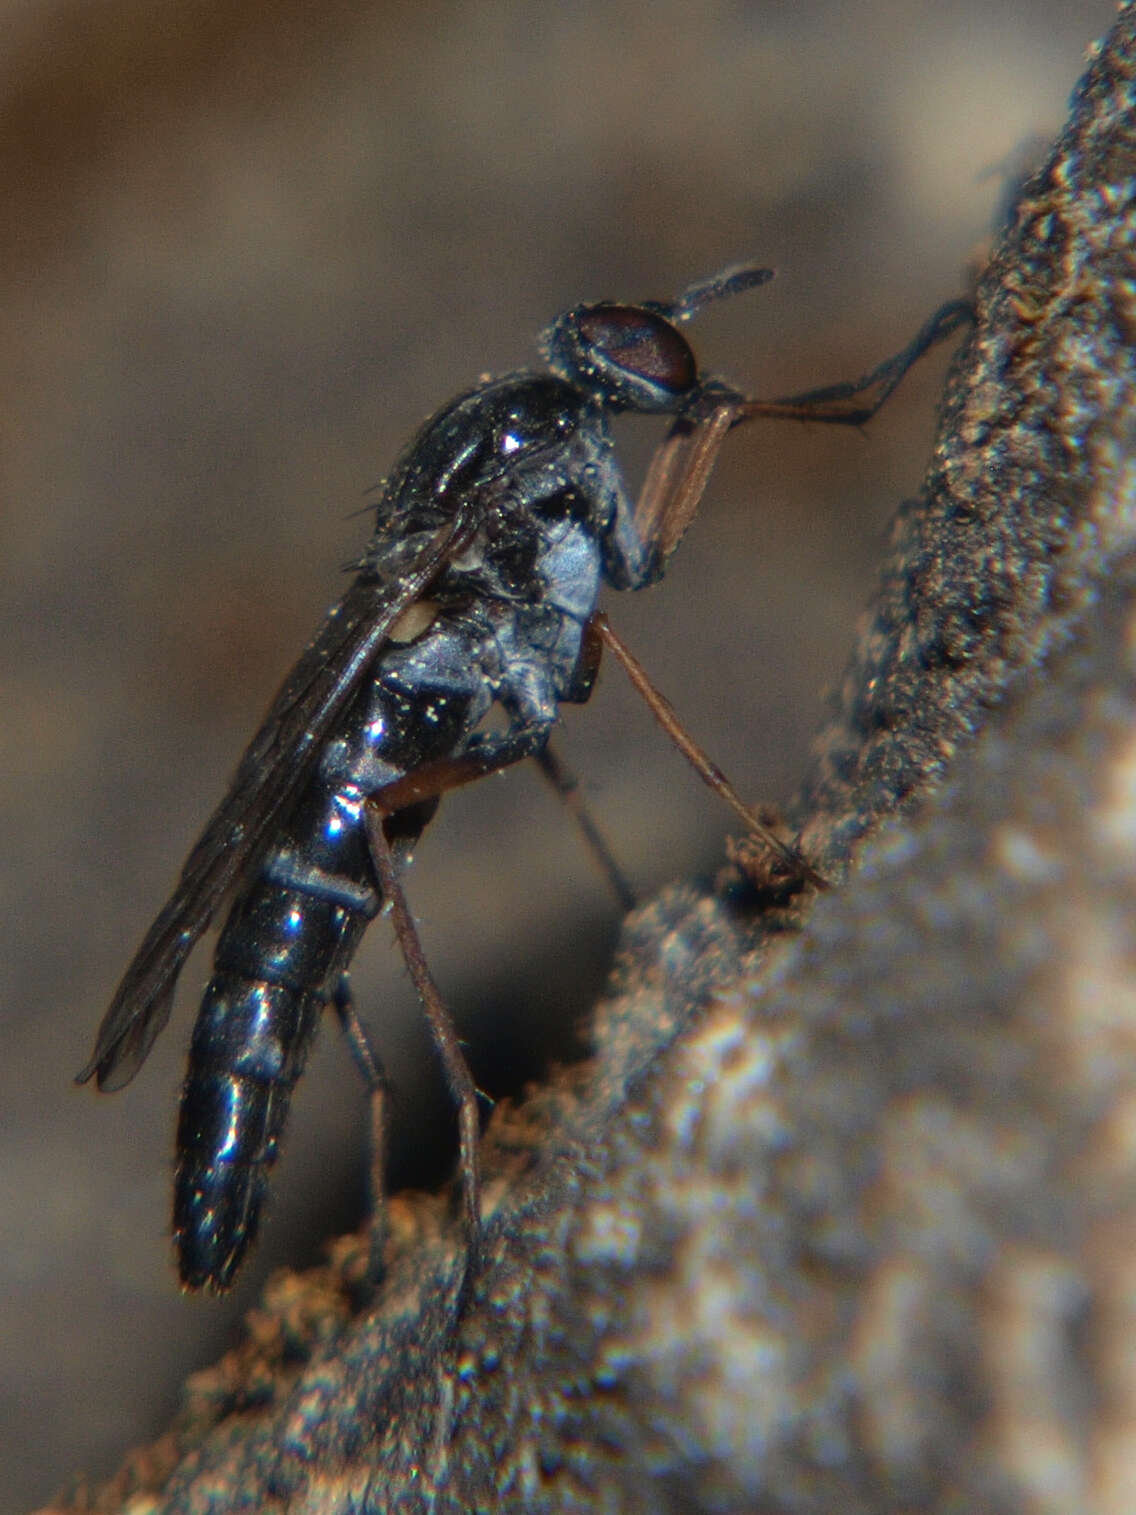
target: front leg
<point>680,468</point>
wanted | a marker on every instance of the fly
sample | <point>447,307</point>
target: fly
<point>495,532</point>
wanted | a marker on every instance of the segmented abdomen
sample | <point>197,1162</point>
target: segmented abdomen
<point>256,1023</point>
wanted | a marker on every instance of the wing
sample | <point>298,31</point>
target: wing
<point>279,758</point>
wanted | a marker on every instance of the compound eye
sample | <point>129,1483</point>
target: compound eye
<point>638,343</point>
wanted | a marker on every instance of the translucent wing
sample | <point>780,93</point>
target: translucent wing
<point>278,760</point>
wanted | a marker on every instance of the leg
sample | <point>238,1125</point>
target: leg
<point>794,865</point>
<point>676,481</point>
<point>492,753</point>
<point>371,1068</point>
<point>837,403</point>
<point>458,1076</point>
<point>567,787</point>
<point>681,467</point>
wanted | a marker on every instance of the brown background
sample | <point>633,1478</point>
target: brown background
<point>244,252</point>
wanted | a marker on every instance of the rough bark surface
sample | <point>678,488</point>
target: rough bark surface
<point>840,1213</point>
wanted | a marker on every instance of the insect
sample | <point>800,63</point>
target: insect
<point>495,532</point>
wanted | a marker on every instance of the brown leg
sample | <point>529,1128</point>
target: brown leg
<point>436,778</point>
<point>678,474</point>
<point>676,480</point>
<point>856,403</point>
<point>371,1068</point>
<point>458,1077</point>
<point>708,772</point>
<point>568,788</point>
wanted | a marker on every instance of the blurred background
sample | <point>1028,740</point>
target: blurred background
<point>247,247</point>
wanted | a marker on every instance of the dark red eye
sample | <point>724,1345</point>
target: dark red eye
<point>641,343</point>
<point>627,357</point>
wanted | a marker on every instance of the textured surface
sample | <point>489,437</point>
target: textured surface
<point>837,1219</point>
<point>1030,489</point>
